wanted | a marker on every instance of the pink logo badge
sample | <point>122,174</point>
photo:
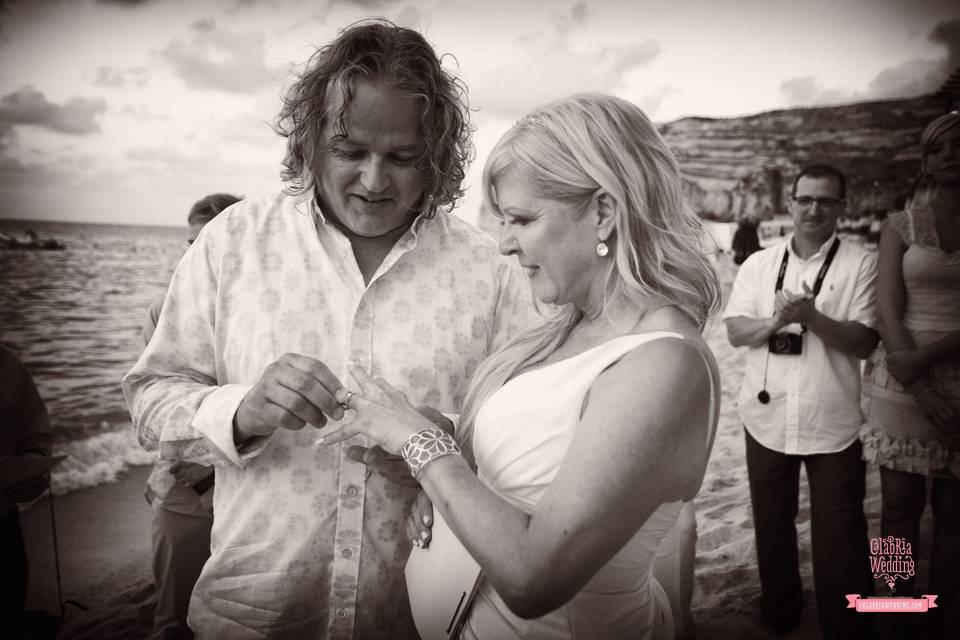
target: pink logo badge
<point>891,559</point>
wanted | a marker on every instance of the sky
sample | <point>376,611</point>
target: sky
<point>128,111</point>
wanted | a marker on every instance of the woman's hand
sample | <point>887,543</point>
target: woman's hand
<point>905,365</point>
<point>392,467</point>
<point>383,414</point>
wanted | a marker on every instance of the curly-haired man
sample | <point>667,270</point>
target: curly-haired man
<point>358,261</point>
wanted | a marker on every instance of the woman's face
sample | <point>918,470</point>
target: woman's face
<point>943,157</point>
<point>555,246</point>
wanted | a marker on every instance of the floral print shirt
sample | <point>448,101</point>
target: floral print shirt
<point>307,543</point>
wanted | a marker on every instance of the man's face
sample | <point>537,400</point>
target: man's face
<point>370,180</point>
<point>194,230</point>
<point>815,207</point>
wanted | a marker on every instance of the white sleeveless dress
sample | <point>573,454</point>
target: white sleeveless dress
<point>521,436</point>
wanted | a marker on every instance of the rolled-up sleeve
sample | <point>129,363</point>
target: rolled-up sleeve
<point>179,406</point>
<point>864,301</point>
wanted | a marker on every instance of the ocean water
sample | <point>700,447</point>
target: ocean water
<point>74,318</point>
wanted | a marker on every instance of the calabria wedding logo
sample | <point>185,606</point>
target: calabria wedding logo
<point>891,559</point>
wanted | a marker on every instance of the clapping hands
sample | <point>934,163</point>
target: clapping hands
<point>791,307</point>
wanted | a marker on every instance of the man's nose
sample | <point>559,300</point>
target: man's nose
<point>374,175</point>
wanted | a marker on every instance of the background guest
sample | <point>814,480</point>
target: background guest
<point>804,308</point>
<point>24,432</point>
<point>913,425</point>
<point>181,493</point>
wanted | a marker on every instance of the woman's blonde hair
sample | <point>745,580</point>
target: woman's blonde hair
<point>569,151</point>
<point>925,187</point>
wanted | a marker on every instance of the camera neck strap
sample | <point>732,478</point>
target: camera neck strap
<point>821,275</point>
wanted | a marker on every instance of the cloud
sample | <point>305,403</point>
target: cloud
<point>215,58</point>
<point>164,156</point>
<point>116,78</point>
<point>910,78</point>
<point>579,13</point>
<point>541,67</point>
<point>365,4</point>
<point>27,106</point>
<point>809,90</point>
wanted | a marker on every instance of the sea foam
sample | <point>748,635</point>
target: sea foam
<point>97,460</point>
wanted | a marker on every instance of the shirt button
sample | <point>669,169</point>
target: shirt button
<point>342,614</point>
<point>352,491</point>
<point>346,553</point>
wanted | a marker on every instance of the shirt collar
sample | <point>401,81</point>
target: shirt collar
<point>818,253</point>
<point>308,206</point>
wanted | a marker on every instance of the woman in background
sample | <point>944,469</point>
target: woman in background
<point>913,424</point>
<point>590,431</point>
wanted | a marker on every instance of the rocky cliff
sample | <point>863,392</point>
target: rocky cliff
<point>739,166</point>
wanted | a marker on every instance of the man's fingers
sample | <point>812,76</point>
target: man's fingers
<point>391,467</point>
<point>290,410</point>
<point>355,452</point>
<point>421,515</point>
<point>313,381</point>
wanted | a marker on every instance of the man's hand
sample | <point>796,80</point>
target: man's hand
<point>905,365</point>
<point>189,473</point>
<point>793,307</point>
<point>29,489</point>
<point>420,520</point>
<point>293,391</point>
<point>391,467</point>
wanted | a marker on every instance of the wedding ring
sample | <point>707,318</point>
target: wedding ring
<point>346,401</point>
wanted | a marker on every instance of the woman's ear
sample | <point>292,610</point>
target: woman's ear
<point>604,214</point>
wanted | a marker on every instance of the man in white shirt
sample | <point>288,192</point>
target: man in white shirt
<point>357,262</point>
<point>804,307</point>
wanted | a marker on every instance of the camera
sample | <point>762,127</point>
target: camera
<point>786,344</point>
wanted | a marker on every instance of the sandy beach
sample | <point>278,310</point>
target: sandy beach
<point>104,536</point>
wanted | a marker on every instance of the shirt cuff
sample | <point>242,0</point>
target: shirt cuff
<point>214,419</point>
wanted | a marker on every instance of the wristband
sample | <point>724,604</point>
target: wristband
<point>426,446</point>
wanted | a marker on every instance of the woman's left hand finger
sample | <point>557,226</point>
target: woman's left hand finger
<point>368,386</point>
<point>339,433</point>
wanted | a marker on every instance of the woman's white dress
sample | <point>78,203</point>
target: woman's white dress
<point>521,436</point>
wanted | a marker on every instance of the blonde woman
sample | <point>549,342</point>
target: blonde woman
<point>913,426</point>
<point>590,431</point>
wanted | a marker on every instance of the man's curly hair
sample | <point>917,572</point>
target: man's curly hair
<point>378,51</point>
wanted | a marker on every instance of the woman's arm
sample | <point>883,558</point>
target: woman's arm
<point>641,442</point>
<point>922,358</point>
<point>891,291</point>
<point>892,300</point>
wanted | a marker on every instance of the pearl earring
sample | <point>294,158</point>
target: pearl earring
<point>602,248</point>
